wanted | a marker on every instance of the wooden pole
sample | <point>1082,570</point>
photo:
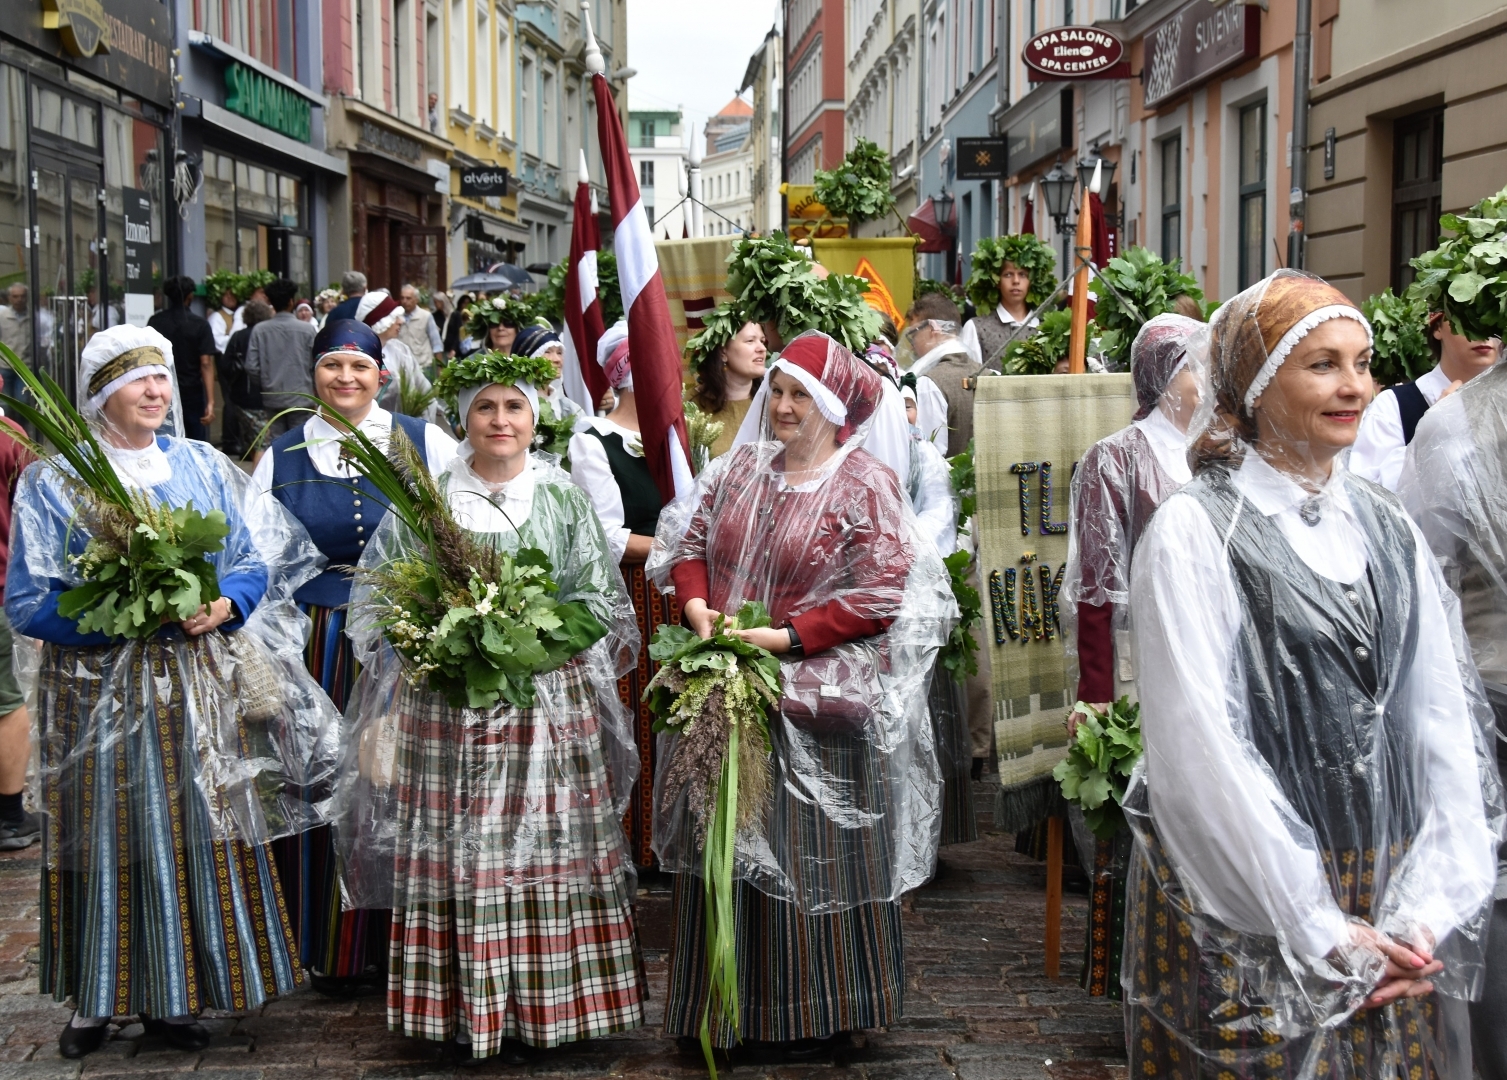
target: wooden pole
<point>1078,342</point>
<point>1054,896</point>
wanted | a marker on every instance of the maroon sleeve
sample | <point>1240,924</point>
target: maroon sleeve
<point>691,581</point>
<point>832,624</point>
<point>1096,653</point>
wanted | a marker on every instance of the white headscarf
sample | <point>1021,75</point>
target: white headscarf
<point>369,302</point>
<point>465,398</point>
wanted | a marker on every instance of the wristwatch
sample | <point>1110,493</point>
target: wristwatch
<point>235,612</point>
<point>795,639</point>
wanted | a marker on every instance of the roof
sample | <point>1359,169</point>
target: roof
<point>736,107</point>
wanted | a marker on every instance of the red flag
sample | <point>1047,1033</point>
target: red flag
<point>653,355</point>
<point>1028,219</point>
<point>1102,251</point>
<point>584,382</point>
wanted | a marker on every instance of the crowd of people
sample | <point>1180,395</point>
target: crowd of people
<point>1302,587</point>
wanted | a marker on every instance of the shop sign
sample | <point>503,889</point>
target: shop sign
<point>980,159</point>
<point>127,45</point>
<point>251,94</point>
<point>1076,52</point>
<point>1045,130</point>
<point>80,23</point>
<point>142,265</point>
<point>1196,42</point>
<point>483,181</point>
<point>389,142</point>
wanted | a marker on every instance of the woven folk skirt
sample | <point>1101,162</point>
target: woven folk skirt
<point>331,942</point>
<point>546,963</point>
<point>1104,943</point>
<point>652,609</point>
<point>144,912</point>
<point>948,704</point>
<point>1186,1026</point>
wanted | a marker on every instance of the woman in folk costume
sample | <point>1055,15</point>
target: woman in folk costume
<point>159,892</point>
<point>1121,480</point>
<point>306,471</point>
<point>540,341</point>
<point>494,833</point>
<point>385,316</point>
<point>809,523</point>
<point>1317,811</point>
<point>607,462</point>
<point>727,376</point>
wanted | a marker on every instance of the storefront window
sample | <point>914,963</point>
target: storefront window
<point>13,172</point>
<point>57,114</point>
<point>219,212</point>
<point>254,219</point>
<point>133,162</point>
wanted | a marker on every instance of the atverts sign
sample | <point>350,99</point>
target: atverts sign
<point>269,103</point>
<point>1076,52</point>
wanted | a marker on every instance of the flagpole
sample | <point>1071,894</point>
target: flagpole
<point>1078,341</point>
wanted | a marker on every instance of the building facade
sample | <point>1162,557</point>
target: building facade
<point>1408,119</point>
<point>883,83</point>
<point>762,77</point>
<point>657,149</point>
<point>816,87</point>
<point>88,214</point>
<point>727,171</point>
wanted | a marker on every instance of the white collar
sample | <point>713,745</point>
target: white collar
<point>481,507</point>
<point>144,468</point>
<point>1010,320</point>
<point>1272,491</point>
<point>949,347</point>
<point>324,440</point>
<point>1168,444</point>
<point>633,441</point>
<point>1432,384</point>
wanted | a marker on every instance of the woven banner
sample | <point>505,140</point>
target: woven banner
<point>1029,433</point>
<point>695,277</point>
<point>888,263</point>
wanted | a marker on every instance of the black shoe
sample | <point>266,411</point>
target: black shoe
<point>75,1042</point>
<point>688,1044</point>
<point>193,1036</point>
<point>514,1052</point>
<point>351,986</point>
<point>816,1049</point>
<point>15,835</point>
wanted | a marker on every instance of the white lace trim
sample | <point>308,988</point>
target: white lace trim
<point>826,401</point>
<point>1296,333</point>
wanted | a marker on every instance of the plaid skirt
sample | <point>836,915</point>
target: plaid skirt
<point>1186,1022</point>
<point>330,941</point>
<point>146,912</point>
<point>544,953</point>
<point>652,609</point>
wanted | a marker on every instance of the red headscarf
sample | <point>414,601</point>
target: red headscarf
<point>849,382</point>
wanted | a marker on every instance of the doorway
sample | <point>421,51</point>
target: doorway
<point>68,207</point>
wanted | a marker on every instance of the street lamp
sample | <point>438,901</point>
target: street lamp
<point>943,204</point>
<point>1086,171</point>
<point>1057,193</point>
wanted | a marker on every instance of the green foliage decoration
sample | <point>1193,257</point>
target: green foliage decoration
<point>1466,275</point>
<point>1099,761</point>
<point>1399,327</point>
<point>772,280</point>
<point>991,253</point>
<point>552,432</point>
<point>1144,287</point>
<point>858,190</point>
<point>485,367</point>
<point>503,309</point>
<point>1040,353</point>
<point>219,283</point>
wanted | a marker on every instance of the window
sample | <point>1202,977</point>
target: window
<point>358,54</point>
<point>263,28</point>
<point>646,174</point>
<point>460,68</point>
<point>484,89</point>
<point>527,122</point>
<point>549,128</point>
<point>246,207</point>
<point>1252,207</point>
<point>504,122</point>
<point>1418,166</point>
<point>432,63</point>
<point>403,77</point>
<point>1172,197</point>
<point>649,132</point>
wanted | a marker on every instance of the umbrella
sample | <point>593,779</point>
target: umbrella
<point>495,278</point>
<point>934,235</point>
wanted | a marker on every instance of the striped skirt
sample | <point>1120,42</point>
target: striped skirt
<point>330,941</point>
<point>948,704</point>
<point>544,952</point>
<point>799,976</point>
<point>143,911</point>
<point>1104,943</point>
<point>653,609</point>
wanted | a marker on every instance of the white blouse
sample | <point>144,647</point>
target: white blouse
<point>324,447</point>
<point>592,473</point>
<point>1379,451</point>
<point>1236,842</point>
<point>485,507</point>
<point>1168,444</point>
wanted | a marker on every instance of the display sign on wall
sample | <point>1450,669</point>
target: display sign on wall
<point>136,33</point>
<point>1045,130</point>
<point>264,101</point>
<point>980,159</point>
<point>484,181</point>
<point>143,266</point>
<point>1196,42</point>
<point>1076,52</point>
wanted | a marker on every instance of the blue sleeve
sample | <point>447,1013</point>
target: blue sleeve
<point>246,588</point>
<point>47,625</point>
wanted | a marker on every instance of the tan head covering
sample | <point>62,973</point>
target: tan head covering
<point>1252,335</point>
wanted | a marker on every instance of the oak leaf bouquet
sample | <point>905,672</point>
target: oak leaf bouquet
<point>473,620</point>
<point>145,563</point>
<point>716,694</point>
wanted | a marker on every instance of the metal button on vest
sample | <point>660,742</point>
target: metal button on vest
<point>360,528</point>
<point>1362,653</point>
<point>356,517</point>
<point>1359,768</point>
<point>1352,596</point>
<point>356,503</point>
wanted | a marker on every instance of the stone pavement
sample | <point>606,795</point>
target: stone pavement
<point>977,1004</point>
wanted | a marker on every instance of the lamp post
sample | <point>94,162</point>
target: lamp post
<point>943,204</point>
<point>1057,193</point>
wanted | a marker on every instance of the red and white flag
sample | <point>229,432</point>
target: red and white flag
<point>653,355</point>
<point>584,382</point>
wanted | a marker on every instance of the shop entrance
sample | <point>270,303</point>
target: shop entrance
<point>68,208</point>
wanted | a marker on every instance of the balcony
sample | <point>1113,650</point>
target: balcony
<point>541,16</point>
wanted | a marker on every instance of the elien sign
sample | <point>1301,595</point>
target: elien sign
<point>260,99</point>
<point>1076,52</point>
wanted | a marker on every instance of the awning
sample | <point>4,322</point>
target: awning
<point>924,224</point>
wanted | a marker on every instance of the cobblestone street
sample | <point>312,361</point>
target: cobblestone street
<point>977,1008</point>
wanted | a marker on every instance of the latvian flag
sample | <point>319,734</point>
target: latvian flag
<point>584,382</point>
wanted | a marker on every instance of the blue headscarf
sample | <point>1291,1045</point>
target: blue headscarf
<point>533,340</point>
<point>348,336</point>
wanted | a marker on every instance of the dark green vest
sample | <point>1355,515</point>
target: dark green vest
<point>641,501</point>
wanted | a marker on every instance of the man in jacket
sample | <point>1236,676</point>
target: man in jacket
<point>280,359</point>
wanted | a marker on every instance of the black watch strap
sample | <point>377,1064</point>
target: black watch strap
<point>795,639</point>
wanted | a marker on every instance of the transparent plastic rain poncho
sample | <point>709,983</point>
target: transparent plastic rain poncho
<point>1317,757</point>
<point>436,802</point>
<point>229,726</point>
<point>1124,477</point>
<point>854,815</point>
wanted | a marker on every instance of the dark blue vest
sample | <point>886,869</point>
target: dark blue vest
<point>340,520</point>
